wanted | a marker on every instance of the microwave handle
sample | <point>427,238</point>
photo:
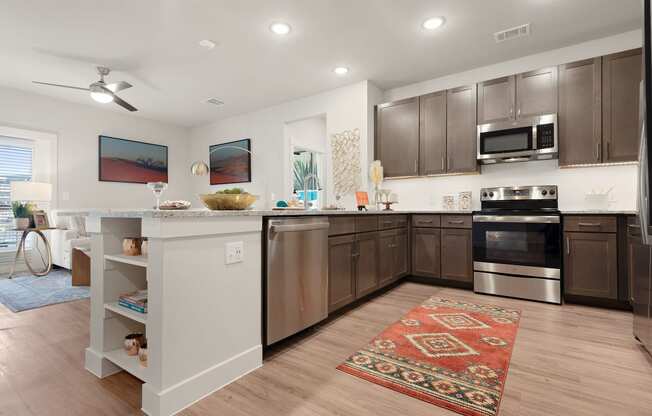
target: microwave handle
<point>535,141</point>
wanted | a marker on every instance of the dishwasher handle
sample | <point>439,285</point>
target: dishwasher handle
<point>288,228</point>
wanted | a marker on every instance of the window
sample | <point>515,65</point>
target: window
<point>15,165</point>
<point>308,169</point>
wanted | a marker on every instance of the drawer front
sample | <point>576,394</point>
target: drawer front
<point>386,222</point>
<point>591,224</point>
<point>426,221</point>
<point>456,221</point>
<point>366,223</point>
<point>341,225</point>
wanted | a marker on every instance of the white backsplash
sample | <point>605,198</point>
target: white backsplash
<point>574,184</point>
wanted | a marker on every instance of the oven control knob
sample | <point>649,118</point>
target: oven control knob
<point>491,194</point>
<point>552,192</point>
<point>484,194</point>
<point>544,192</point>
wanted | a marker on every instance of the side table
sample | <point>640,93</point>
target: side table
<point>81,267</point>
<point>21,248</point>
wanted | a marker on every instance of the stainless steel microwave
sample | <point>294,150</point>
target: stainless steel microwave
<point>532,138</point>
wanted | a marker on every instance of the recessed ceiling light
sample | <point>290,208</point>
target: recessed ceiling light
<point>207,43</point>
<point>341,70</point>
<point>280,28</point>
<point>434,23</point>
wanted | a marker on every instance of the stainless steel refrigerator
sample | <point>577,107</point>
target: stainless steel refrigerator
<point>640,232</point>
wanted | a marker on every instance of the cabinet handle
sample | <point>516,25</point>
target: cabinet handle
<point>448,161</point>
<point>456,222</point>
<point>519,112</point>
<point>387,222</point>
<point>443,163</point>
<point>589,224</point>
<point>568,246</point>
<point>597,151</point>
<point>424,222</point>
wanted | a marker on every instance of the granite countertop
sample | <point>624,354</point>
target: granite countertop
<point>597,212</point>
<point>152,213</point>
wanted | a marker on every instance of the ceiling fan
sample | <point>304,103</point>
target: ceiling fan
<point>100,90</point>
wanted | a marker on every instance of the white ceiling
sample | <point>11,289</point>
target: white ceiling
<point>153,45</point>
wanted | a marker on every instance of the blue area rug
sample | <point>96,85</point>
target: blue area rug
<point>30,292</point>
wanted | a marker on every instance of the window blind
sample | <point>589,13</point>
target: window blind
<point>15,165</point>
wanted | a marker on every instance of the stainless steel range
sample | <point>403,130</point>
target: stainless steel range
<point>517,245</point>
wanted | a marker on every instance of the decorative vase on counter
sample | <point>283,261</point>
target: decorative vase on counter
<point>448,202</point>
<point>464,200</point>
<point>131,246</point>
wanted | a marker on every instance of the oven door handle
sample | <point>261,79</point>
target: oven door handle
<point>531,219</point>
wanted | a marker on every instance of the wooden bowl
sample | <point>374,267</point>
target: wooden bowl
<point>222,202</point>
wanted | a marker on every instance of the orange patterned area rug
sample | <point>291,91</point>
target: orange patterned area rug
<point>451,354</point>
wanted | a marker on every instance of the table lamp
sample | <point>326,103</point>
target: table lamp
<point>31,191</point>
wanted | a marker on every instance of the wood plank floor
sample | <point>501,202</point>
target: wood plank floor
<point>569,360</point>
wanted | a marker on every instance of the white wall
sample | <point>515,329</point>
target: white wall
<point>344,109</point>
<point>77,128</point>
<point>426,193</point>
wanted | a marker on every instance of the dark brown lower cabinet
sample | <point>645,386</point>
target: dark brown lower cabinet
<point>591,265</point>
<point>341,271</point>
<point>393,256</point>
<point>401,254</point>
<point>366,263</point>
<point>456,254</point>
<point>426,252</point>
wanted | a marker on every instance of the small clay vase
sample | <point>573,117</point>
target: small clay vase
<point>131,246</point>
<point>132,344</point>
<point>142,354</point>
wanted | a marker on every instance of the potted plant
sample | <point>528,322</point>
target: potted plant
<point>22,214</point>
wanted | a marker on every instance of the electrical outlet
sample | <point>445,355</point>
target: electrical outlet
<point>234,252</point>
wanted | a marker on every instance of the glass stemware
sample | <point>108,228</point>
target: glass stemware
<point>157,188</point>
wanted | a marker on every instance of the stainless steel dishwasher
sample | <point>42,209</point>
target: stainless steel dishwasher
<point>297,275</point>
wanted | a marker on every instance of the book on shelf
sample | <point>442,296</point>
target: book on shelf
<point>132,307</point>
<point>136,301</point>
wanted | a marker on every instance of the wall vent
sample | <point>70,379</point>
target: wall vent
<point>512,33</point>
<point>215,101</point>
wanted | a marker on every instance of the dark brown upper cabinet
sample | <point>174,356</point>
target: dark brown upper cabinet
<point>528,94</point>
<point>621,78</point>
<point>580,112</point>
<point>496,100</point>
<point>432,143</point>
<point>536,92</point>
<point>461,122</point>
<point>397,137</point>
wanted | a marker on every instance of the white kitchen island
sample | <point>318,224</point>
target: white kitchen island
<point>203,324</point>
<point>204,321</point>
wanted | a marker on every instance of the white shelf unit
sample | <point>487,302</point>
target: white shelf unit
<point>130,364</point>
<point>133,260</point>
<point>121,310</point>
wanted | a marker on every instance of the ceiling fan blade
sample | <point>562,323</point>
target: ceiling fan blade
<point>59,85</point>
<point>122,103</point>
<point>118,86</point>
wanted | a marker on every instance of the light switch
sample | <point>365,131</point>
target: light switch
<point>234,252</point>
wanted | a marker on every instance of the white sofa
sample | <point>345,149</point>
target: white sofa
<point>70,233</point>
